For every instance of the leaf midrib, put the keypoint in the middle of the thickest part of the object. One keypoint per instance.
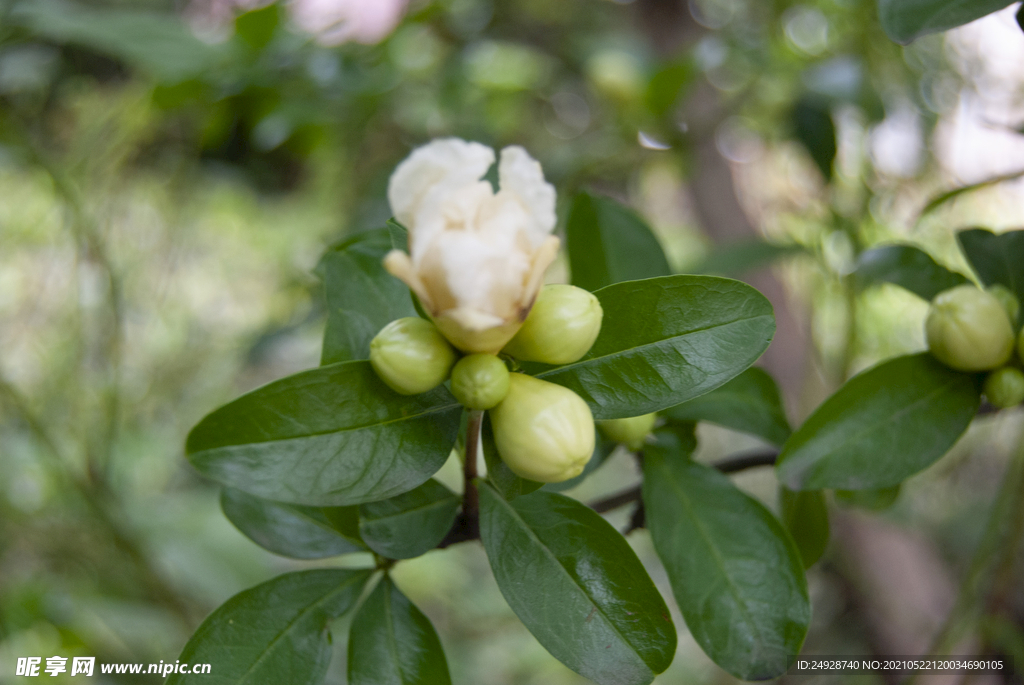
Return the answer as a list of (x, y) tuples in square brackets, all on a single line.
[(305, 612), (872, 427), (335, 431), (615, 355), (715, 553), (553, 558)]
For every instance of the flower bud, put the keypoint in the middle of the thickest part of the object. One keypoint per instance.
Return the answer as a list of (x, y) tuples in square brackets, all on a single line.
[(1004, 387), (543, 432), (967, 330), (480, 381), (561, 327), (1009, 301), (411, 356), (630, 432)]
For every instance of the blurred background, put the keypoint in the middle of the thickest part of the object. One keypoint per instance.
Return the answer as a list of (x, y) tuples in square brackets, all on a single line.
[(170, 173)]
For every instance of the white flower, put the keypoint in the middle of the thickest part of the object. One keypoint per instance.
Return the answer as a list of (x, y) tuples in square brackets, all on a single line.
[(334, 22), (477, 257)]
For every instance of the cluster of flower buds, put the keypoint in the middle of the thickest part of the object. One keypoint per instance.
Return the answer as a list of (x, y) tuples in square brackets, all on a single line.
[(543, 431), (969, 329), (476, 262)]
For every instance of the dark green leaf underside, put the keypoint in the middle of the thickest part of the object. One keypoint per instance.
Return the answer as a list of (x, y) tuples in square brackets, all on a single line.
[(290, 530), (749, 403), (409, 524)]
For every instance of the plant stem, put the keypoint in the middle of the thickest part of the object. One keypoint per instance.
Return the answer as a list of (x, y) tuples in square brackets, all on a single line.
[(470, 494)]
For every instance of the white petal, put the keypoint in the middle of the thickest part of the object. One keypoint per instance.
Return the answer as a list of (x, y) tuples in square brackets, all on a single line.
[(520, 174), (447, 162)]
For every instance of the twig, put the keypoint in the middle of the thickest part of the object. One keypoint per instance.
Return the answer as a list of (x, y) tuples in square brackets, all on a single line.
[(466, 528), (471, 496)]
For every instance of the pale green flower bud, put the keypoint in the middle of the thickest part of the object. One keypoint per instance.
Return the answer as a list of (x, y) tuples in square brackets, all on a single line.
[(1004, 387), (543, 432), (630, 432), (480, 381), (1009, 301), (561, 327), (967, 330), (411, 356)]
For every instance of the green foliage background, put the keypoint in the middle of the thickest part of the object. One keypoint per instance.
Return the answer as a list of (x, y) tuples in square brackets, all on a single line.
[(164, 201)]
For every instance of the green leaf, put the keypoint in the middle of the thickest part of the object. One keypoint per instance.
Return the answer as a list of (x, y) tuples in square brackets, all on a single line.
[(290, 530), (873, 500), (332, 436), (881, 427), (805, 515), (996, 258), (500, 476), (410, 524), (908, 267), (275, 632), (749, 403), (608, 243), (603, 448), (734, 570), (159, 44), (667, 340), (256, 28), (393, 643), (362, 297), (813, 127), (576, 584), (905, 20), (745, 256)]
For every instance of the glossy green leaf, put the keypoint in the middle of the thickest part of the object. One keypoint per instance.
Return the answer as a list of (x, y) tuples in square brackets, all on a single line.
[(409, 524), (872, 500), (576, 584), (603, 448), (332, 436), (735, 259), (667, 340), (608, 243), (805, 515), (749, 403), (881, 427), (500, 476), (735, 572), (813, 127), (908, 267), (273, 633), (996, 258), (290, 530), (905, 20), (159, 44), (361, 296), (393, 643)]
